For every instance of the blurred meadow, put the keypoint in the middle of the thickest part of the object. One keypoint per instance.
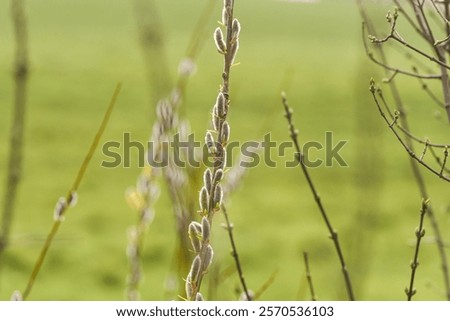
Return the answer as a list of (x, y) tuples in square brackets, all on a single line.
[(80, 49)]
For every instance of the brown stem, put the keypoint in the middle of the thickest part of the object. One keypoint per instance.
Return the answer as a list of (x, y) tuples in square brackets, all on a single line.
[(20, 74), (235, 254), (420, 232), (333, 233)]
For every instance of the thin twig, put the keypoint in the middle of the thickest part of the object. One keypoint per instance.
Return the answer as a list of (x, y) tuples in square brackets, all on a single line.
[(333, 233), (420, 232), (309, 277), (14, 170), (390, 68), (418, 176), (64, 203), (399, 138), (235, 254), (426, 88), (211, 194)]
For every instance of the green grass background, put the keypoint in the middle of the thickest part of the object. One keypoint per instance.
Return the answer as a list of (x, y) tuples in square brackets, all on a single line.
[(80, 49)]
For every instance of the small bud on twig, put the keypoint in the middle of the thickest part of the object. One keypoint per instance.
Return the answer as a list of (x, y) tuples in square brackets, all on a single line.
[(206, 229), (207, 179), (220, 41), (204, 200), (218, 196)]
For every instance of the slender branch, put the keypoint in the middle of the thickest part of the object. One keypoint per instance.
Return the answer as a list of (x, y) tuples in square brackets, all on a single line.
[(371, 56), (211, 194), (425, 87), (404, 130), (333, 233), (409, 18), (234, 253), (395, 36), (14, 170), (438, 160), (400, 139), (309, 278), (420, 233), (64, 203), (418, 176)]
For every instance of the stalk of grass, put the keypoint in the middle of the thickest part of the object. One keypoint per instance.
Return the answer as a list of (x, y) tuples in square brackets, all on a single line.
[(14, 170), (420, 233), (211, 194), (70, 200), (333, 233)]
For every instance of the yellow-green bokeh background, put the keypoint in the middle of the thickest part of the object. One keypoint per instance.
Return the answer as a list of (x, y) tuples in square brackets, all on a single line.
[(80, 49)]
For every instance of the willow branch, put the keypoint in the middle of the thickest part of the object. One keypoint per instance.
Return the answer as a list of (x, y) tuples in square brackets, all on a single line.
[(333, 233), (420, 233), (234, 253)]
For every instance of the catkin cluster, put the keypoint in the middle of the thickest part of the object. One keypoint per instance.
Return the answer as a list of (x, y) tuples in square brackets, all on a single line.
[(216, 140)]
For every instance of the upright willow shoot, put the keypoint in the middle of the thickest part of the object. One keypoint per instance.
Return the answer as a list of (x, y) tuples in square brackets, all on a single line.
[(420, 233), (216, 139), (333, 233)]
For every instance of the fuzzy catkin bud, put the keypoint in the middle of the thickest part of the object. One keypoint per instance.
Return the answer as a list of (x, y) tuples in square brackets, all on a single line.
[(199, 297), (195, 269), (195, 229), (235, 29), (189, 288), (58, 213), (209, 140), (206, 229), (218, 196), (207, 179), (220, 41), (209, 254), (16, 296), (215, 118), (221, 105), (225, 133), (218, 176), (204, 200)]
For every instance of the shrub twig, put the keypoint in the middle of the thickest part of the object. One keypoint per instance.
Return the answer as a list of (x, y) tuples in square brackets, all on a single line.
[(234, 253), (333, 233), (420, 233)]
